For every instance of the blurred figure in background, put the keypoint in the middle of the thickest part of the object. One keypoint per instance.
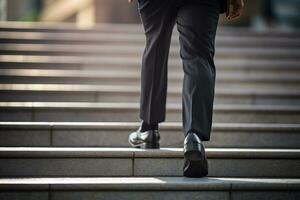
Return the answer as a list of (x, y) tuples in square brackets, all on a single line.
[(286, 13), (277, 14), (3, 7)]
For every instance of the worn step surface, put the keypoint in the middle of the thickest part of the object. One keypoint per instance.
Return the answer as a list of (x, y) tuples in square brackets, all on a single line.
[(131, 93), (227, 162), (81, 111), (150, 188), (115, 134)]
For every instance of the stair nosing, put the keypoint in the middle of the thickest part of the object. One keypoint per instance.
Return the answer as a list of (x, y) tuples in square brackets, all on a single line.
[(132, 153), (150, 183), (227, 127)]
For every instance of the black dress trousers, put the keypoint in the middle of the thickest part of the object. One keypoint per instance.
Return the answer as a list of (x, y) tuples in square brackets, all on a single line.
[(196, 22)]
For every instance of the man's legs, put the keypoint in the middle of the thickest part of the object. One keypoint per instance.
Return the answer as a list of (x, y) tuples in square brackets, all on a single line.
[(197, 23), (158, 19)]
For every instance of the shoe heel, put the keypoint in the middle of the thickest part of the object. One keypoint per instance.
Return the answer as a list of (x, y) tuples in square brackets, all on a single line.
[(193, 151), (150, 145), (193, 146)]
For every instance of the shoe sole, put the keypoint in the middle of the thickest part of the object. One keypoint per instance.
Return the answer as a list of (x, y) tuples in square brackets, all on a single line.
[(195, 169), (146, 145), (193, 151), (152, 145)]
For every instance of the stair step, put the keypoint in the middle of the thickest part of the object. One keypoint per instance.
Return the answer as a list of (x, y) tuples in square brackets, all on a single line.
[(134, 50), (31, 76), (137, 48), (82, 112), (135, 188), (73, 62), (66, 27), (133, 74), (131, 93), (254, 151), (138, 38), (115, 134), (70, 162)]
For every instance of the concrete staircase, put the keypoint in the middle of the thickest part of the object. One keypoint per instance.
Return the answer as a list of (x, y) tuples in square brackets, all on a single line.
[(69, 99)]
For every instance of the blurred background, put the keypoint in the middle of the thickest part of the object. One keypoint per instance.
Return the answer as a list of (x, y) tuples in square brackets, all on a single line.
[(70, 77), (259, 14)]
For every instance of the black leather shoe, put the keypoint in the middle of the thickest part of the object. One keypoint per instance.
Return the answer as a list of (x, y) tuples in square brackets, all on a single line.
[(146, 140), (195, 161)]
